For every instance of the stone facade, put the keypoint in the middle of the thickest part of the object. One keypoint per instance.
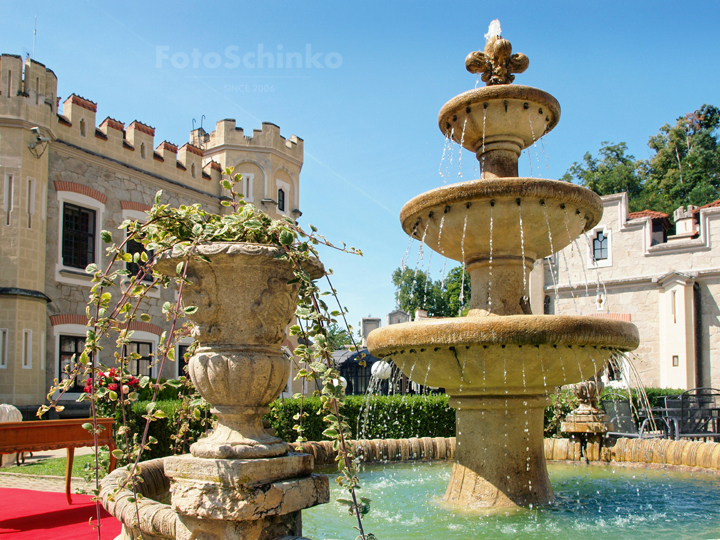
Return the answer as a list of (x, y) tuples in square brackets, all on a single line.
[(667, 286), (51, 158)]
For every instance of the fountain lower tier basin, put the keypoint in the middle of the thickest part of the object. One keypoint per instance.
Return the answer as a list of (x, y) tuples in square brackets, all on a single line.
[(531, 218), (603, 501), (497, 356)]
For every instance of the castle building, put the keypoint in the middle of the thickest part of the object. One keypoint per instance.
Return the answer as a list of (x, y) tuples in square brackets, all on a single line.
[(628, 268), (64, 177)]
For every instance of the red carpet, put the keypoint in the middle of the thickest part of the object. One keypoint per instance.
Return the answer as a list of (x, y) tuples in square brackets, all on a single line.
[(39, 515)]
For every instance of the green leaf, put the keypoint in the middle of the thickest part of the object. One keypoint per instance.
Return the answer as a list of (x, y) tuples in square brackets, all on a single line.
[(160, 414), (286, 238), (226, 184), (112, 395), (117, 453), (190, 310), (91, 268), (144, 317), (179, 267), (167, 306), (88, 426), (252, 224), (106, 236)]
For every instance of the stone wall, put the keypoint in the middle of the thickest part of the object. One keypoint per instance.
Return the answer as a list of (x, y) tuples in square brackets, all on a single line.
[(658, 286)]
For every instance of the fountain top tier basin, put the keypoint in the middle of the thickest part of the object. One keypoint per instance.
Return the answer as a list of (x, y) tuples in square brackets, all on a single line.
[(514, 115), (553, 212)]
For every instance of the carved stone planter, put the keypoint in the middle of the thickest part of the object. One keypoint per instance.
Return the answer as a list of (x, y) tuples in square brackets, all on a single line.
[(240, 482)]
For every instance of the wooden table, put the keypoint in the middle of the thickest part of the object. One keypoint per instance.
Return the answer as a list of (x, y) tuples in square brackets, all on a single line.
[(35, 436)]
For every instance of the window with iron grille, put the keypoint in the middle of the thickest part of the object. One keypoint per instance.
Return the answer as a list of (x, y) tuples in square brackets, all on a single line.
[(182, 349), (281, 200), (600, 247), (143, 365), (71, 346), (78, 236), (132, 247)]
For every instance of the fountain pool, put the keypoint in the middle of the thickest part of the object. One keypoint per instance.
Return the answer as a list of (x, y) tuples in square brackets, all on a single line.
[(615, 501)]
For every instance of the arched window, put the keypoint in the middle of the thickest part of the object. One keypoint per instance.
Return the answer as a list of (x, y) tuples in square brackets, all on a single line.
[(281, 200), (193, 170), (142, 150), (546, 305), (83, 127)]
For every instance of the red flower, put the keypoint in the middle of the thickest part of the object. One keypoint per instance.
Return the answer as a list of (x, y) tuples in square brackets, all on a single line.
[(88, 389), (133, 382), (112, 386)]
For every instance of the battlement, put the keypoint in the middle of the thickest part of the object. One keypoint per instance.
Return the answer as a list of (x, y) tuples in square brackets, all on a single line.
[(27, 90), (134, 145), (226, 133)]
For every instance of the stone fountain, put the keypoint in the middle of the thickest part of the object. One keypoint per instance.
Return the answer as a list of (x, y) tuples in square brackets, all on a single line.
[(500, 362)]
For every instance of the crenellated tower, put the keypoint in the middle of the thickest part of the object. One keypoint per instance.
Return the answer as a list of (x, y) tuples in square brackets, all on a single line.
[(28, 125)]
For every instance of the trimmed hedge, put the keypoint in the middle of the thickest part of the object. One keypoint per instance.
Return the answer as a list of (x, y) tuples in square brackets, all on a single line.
[(374, 417)]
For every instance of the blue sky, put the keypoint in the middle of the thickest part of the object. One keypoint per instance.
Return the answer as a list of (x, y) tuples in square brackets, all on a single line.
[(367, 105)]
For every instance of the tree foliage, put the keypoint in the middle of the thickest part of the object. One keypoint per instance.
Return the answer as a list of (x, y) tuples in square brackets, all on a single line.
[(685, 167), (415, 289)]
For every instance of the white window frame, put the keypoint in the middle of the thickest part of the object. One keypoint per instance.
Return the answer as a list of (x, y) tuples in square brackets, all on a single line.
[(148, 337), (91, 204), (27, 349), (8, 196), (591, 236), (185, 342), (279, 184), (43, 351), (247, 186), (31, 183), (4, 333), (77, 330)]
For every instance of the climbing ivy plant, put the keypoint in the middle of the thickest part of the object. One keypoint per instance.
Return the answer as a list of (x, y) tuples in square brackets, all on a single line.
[(179, 231)]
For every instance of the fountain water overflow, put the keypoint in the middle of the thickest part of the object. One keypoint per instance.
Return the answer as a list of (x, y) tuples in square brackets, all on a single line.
[(498, 362)]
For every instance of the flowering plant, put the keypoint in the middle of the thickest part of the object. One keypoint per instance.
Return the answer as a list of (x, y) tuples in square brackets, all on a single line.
[(112, 381)]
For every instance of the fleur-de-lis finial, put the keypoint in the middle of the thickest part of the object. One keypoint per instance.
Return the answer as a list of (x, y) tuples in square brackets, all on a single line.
[(496, 63)]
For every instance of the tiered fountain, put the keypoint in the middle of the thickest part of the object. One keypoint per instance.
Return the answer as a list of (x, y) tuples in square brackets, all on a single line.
[(500, 362)]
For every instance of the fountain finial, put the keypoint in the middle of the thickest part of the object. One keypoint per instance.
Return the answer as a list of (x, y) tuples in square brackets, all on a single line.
[(497, 63)]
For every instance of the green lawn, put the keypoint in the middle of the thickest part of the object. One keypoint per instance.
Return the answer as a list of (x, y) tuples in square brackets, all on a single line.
[(53, 467)]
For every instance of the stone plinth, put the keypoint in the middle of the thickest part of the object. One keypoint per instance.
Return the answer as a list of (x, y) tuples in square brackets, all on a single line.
[(499, 453), (243, 499)]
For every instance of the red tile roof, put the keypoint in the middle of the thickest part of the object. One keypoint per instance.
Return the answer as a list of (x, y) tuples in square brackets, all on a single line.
[(647, 213), (713, 204), (142, 128), (82, 102)]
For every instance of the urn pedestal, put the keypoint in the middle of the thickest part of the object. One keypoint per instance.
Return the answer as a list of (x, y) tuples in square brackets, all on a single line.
[(241, 482)]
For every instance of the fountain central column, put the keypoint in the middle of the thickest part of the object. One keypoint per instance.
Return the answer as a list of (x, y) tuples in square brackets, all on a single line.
[(499, 452)]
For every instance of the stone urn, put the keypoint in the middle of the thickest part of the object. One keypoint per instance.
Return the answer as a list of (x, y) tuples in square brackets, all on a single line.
[(241, 481)]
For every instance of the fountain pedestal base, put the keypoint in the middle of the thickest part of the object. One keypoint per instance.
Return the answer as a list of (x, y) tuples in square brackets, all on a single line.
[(243, 499), (499, 454)]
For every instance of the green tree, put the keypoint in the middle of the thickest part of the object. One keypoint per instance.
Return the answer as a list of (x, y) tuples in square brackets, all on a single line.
[(685, 167), (338, 337), (416, 290), (614, 171)]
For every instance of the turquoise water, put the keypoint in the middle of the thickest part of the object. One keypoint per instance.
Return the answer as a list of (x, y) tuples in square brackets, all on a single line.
[(610, 502)]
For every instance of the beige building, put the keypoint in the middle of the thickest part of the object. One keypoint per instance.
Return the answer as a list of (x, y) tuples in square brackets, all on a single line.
[(668, 286), (64, 177)]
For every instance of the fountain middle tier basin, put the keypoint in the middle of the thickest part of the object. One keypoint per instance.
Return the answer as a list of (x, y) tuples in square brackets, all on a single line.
[(493, 355), (553, 213)]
